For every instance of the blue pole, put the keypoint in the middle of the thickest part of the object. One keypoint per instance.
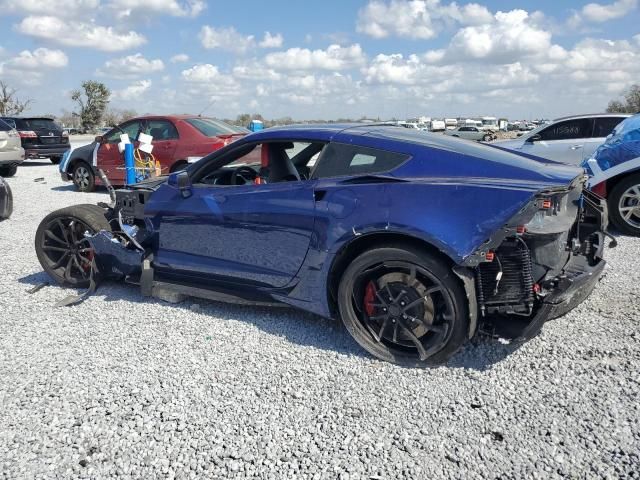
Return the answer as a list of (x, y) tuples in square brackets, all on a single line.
[(129, 164)]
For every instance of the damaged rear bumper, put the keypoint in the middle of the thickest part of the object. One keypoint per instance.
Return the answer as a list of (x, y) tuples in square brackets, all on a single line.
[(572, 290)]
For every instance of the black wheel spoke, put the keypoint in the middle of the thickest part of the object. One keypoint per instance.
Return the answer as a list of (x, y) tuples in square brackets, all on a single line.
[(421, 299), (68, 268), (382, 328), (416, 341), (49, 248), (63, 230), (60, 261), (428, 326), (54, 237)]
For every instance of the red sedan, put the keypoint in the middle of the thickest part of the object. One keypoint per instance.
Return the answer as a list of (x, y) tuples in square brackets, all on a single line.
[(177, 140)]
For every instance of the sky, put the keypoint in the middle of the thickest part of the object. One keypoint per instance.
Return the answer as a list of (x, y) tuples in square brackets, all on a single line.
[(325, 59)]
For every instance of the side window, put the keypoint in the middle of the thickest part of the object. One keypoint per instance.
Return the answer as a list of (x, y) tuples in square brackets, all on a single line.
[(342, 160), (130, 128), (4, 127), (605, 125), (161, 130), (567, 130)]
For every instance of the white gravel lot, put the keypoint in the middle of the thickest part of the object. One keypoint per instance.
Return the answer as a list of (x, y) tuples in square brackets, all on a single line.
[(137, 388)]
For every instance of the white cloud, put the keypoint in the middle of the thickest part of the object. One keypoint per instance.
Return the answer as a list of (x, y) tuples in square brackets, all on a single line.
[(80, 34), (180, 58), (175, 8), (39, 58), (133, 91), (29, 66), (131, 66), (334, 57), (421, 19), (271, 41), (203, 73), (225, 38), (228, 38), (67, 8), (507, 39), (597, 12)]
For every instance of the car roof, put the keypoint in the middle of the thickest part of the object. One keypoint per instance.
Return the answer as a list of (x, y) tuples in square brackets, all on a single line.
[(181, 116), (591, 115)]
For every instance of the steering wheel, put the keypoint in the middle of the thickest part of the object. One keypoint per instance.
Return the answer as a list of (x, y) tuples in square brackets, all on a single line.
[(247, 174)]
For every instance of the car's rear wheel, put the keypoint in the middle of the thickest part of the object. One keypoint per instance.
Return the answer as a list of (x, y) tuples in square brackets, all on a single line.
[(55, 160), (9, 171), (404, 305), (83, 177), (486, 138), (61, 245), (624, 205)]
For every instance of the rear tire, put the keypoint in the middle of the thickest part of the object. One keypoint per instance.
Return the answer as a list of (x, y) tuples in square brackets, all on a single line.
[(55, 160), (83, 177), (624, 205), (404, 305), (61, 247), (8, 171), (486, 138)]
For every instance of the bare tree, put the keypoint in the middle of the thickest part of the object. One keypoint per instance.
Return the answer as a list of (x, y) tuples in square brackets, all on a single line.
[(9, 103)]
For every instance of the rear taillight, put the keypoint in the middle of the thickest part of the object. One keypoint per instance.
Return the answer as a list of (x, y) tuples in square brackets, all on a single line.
[(27, 134), (600, 189)]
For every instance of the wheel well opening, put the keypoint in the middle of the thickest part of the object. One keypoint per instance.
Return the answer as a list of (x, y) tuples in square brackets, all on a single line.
[(366, 242), (613, 181)]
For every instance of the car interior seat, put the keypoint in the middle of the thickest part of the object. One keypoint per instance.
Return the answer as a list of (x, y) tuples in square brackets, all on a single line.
[(281, 168)]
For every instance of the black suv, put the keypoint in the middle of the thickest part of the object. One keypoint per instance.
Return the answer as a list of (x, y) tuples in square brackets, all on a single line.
[(41, 137)]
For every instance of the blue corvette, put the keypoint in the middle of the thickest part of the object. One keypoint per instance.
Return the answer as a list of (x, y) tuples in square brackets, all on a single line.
[(415, 241)]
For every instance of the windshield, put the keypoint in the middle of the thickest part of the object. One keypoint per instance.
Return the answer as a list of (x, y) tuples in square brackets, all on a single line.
[(213, 128)]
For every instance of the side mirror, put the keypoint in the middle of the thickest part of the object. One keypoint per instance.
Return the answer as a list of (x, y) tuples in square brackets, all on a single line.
[(99, 139), (182, 182), (534, 138)]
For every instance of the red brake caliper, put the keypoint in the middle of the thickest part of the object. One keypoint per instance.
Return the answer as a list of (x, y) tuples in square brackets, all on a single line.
[(369, 298)]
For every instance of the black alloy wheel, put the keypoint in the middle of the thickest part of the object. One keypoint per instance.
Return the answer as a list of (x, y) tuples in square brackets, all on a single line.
[(61, 244), (403, 306)]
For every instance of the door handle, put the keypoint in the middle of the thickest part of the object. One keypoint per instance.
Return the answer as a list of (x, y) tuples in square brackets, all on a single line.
[(575, 147)]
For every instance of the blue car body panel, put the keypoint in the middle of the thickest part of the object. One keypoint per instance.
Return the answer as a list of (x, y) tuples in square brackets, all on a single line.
[(620, 153), (283, 238)]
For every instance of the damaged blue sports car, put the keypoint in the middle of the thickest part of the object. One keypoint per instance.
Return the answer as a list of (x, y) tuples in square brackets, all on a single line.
[(415, 241)]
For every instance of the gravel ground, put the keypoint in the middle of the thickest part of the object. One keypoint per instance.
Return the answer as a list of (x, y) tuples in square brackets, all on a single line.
[(133, 387)]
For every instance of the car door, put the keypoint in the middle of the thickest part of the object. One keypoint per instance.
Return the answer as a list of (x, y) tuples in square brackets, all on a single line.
[(254, 234), (602, 128), (562, 141), (165, 141), (108, 156)]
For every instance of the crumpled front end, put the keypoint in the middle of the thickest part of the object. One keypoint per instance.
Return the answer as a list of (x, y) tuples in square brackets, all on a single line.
[(544, 262)]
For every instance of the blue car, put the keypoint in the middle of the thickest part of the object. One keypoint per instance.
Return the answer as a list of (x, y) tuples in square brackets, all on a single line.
[(415, 241)]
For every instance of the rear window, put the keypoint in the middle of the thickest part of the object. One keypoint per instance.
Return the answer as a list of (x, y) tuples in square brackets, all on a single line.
[(4, 127), (41, 124), (605, 125), (212, 128), (344, 160)]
